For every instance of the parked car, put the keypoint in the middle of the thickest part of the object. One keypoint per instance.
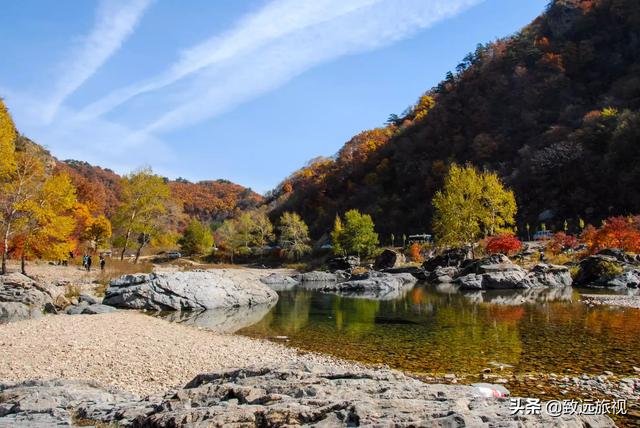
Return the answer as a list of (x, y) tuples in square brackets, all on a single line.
[(542, 234), (174, 254)]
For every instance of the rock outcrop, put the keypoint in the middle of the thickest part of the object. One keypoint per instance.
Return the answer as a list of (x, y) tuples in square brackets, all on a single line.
[(374, 285), (22, 298), (498, 272), (278, 281), (291, 396), (388, 259), (416, 271), (193, 290), (316, 276), (346, 263), (597, 270), (546, 275), (453, 257)]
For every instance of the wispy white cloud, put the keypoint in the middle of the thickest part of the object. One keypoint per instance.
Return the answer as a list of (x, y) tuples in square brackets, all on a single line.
[(247, 74), (114, 22), (277, 19), (95, 140)]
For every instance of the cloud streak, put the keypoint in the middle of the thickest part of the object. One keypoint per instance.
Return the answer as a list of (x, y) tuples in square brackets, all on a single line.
[(238, 78), (277, 19), (115, 21)]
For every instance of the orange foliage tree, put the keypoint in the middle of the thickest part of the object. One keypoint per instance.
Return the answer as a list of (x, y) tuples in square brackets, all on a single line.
[(414, 252), (616, 232)]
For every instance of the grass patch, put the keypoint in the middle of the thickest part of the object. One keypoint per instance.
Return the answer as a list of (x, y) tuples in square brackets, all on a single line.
[(115, 268), (72, 291)]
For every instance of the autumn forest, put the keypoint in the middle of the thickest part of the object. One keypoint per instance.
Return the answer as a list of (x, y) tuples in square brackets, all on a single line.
[(551, 113)]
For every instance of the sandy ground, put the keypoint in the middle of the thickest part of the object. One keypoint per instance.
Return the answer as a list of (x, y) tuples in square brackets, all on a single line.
[(129, 350)]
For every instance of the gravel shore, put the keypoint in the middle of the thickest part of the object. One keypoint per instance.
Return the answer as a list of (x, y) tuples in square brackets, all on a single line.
[(612, 300), (131, 351)]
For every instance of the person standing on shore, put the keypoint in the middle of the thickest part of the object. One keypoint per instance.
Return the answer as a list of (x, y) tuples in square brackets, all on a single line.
[(89, 263), (84, 261), (102, 262)]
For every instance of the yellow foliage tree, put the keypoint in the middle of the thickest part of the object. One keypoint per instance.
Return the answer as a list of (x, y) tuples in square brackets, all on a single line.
[(144, 200), (97, 231), (48, 220), (471, 205), (8, 136)]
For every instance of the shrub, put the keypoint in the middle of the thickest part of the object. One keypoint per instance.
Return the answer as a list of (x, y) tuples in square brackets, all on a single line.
[(415, 252), (71, 291), (504, 244)]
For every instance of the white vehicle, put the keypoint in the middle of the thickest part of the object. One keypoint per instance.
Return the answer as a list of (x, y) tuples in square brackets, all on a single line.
[(174, 254)]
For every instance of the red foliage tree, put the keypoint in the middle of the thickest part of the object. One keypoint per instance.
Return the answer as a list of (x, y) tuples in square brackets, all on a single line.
[(616, 232), (561, 241), (504, 244)]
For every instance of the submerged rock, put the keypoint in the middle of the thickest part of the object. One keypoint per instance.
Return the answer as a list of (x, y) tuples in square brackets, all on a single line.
[(193, 290), (303, 395)]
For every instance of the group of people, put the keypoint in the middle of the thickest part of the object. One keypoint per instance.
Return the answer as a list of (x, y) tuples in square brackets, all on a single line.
[(87, 262)]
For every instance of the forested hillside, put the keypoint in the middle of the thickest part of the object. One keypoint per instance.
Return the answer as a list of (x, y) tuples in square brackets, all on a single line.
[(209, 201), (553, 109)]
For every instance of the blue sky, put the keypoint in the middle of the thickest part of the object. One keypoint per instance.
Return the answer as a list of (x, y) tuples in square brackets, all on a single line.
[(244, 90)]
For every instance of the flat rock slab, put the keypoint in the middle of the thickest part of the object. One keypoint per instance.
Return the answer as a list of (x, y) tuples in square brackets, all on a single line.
[(193, 290), (304, 395)]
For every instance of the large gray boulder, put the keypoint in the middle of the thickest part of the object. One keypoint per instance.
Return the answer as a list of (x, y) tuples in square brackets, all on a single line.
[(374, 285), (278, 281), (316, 276), (309, 395), (51, 403), (598, 270), (22, 298), (545, 275), (629, 279), (194, 290), (343, 263), (416, 271), (497, 276), (452, 257)]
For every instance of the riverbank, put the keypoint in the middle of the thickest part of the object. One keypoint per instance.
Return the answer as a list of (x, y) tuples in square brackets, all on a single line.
[(47, 362), (131, 351)]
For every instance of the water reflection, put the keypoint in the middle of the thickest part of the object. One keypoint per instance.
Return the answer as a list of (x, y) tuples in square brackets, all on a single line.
[(438, 330), (223, 320)]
